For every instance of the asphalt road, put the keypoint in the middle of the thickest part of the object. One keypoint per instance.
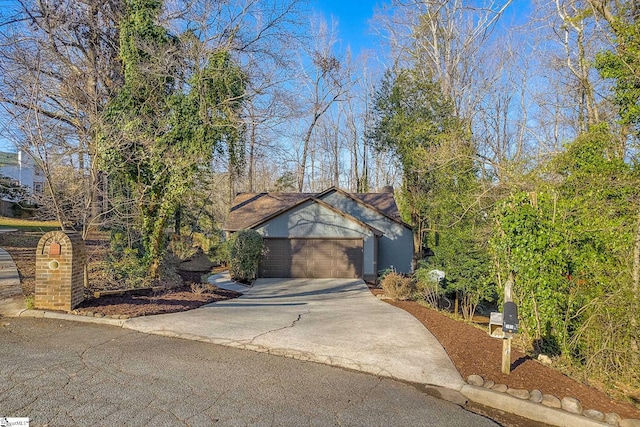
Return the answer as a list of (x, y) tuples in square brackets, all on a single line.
[(61, 373)]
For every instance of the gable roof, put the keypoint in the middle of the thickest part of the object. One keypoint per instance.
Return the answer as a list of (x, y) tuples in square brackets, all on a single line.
[(325, 205), (251, 209), (384, 203)]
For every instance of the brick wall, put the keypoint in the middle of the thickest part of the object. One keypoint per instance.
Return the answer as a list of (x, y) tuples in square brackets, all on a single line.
[(59, 271)]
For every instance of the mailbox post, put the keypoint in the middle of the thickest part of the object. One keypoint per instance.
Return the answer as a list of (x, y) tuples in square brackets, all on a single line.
[(504, 325), (60, 259)]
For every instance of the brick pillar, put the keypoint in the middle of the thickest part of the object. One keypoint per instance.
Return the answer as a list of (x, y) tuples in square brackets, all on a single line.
[(60, 259)]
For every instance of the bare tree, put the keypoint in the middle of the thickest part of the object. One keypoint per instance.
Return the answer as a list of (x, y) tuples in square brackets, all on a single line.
[(60, 68), (358, 116), (573, 32), (327, 81), (446, 40)]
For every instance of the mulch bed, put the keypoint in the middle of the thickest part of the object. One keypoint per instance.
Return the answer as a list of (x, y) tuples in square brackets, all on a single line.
[(170, 301), (473, 351)]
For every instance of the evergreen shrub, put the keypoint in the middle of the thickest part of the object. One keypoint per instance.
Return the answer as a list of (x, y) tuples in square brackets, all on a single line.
[(245, 250)]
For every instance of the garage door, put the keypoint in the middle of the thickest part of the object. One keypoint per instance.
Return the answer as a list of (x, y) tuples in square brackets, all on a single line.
[(320, 258)]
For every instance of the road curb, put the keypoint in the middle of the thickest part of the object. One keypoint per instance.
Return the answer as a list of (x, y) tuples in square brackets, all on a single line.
[(444, 393), (40, 314), (525, 408)]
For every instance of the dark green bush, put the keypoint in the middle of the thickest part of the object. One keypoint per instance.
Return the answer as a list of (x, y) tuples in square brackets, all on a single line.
[(126, 266), (245, 250)]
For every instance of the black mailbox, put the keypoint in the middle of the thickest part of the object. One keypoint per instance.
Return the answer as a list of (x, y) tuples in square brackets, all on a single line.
[(510, 317)]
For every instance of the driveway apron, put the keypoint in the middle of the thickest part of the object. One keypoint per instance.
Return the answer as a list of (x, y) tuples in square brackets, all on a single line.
[(332, 321)]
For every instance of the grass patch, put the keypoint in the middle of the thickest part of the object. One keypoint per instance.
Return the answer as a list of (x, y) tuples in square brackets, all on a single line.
[(28, 225)]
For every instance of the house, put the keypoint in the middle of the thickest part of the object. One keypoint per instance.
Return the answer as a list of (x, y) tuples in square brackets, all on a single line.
[(327, 234), (20, 169)]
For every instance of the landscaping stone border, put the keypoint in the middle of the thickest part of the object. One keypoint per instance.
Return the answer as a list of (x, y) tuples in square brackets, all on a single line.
[(536, 406)]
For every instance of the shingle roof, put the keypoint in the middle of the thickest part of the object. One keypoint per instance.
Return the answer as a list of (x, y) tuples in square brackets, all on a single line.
[(384, 202), (251, 208)]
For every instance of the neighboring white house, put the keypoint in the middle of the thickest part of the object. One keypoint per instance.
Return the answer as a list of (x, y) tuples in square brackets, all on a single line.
[(20, 168)]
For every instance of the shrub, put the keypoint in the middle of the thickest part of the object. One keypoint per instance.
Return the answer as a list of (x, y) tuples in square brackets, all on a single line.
[(428, 287), (220, 254), (203, 288), (128, 269), (182, 246), (126, 266), (214, 246), (245, 250), (205, 242), (396, 286)]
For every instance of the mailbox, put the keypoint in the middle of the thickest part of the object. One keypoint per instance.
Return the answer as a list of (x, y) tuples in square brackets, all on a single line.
[(510, 317), (495, 325), (54, 248)]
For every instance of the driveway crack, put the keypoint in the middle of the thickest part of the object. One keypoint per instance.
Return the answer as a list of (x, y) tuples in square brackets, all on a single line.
[(293, 324)]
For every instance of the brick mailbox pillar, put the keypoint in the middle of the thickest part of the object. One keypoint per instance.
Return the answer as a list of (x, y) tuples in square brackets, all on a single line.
[(60, 259)]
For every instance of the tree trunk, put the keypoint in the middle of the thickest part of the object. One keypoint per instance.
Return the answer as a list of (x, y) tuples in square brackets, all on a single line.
[(635, 281), (636, 260), (456, 304), (508, 287), (336, 160), (252, 160), (178, 220), (303, 161), (85, 274)]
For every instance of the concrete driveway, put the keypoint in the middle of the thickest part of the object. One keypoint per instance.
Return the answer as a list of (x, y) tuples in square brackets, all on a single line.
[(332, 321)]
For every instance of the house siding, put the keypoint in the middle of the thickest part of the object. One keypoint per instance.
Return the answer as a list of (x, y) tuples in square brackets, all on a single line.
[(20, 168), (395, 247), (312, 220)]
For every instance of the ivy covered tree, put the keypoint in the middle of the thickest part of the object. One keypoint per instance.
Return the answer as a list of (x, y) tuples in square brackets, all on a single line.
[(440, 185), (416, 121), (165, 125), (622, 64)]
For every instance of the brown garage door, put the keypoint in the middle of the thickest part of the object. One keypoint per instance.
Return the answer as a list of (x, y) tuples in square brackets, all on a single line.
[(321, 258)]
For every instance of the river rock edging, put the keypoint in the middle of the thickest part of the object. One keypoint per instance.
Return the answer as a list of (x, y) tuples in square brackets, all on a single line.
[(540, 407)]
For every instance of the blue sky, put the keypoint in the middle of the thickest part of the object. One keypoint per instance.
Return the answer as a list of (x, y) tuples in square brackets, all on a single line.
[(354, 15), (353, 21), (353, 26)]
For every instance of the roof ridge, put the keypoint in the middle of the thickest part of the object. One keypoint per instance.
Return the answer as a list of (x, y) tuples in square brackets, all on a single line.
[(246, 202)]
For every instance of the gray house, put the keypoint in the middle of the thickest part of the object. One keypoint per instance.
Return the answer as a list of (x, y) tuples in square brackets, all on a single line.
[(328, 234)]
